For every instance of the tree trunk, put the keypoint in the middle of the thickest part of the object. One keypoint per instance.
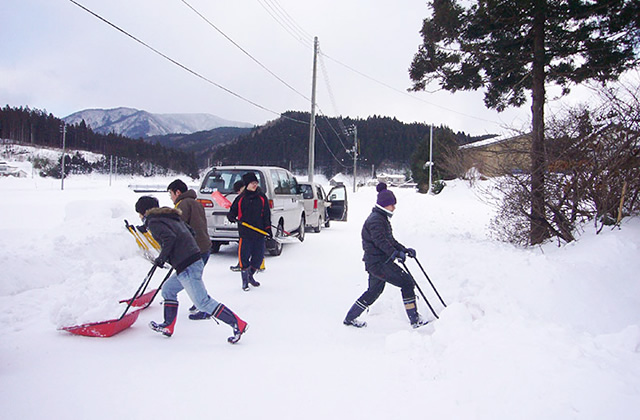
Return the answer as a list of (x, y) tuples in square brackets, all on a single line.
[(539, 230)]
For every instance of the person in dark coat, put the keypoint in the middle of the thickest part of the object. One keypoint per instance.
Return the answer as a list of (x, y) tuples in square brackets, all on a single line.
[(238, 188), (252, 213), (381, 250), (180, 250)]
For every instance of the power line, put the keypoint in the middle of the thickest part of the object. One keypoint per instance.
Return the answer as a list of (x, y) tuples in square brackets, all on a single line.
[(329, 149), (405, 93), (298, 29), (291, 21), (293, 31), (243, 50), (172, 60)]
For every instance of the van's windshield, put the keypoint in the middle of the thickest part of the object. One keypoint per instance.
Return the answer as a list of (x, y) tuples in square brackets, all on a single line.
[(223, 180)]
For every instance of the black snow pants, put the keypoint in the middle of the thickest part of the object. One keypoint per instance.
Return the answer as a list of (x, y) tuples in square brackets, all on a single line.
[(390, 273)]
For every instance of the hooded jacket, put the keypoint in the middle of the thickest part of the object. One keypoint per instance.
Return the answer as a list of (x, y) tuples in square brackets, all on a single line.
[(378, 242), (179, 247), (251, 207), (193, 214)]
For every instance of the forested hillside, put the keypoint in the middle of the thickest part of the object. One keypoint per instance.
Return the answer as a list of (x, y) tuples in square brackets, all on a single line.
[(36, 127), (383, 143), (285, 142), (199, 143)]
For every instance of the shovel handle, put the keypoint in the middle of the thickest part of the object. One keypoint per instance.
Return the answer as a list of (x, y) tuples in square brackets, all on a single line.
[(144, 284)]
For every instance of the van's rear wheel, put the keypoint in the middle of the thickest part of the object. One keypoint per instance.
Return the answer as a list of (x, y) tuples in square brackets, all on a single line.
[(215, 247), (303, 223), (273, 245)]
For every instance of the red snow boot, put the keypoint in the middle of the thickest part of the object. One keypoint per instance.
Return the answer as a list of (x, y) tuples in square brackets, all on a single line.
[(170, 317)]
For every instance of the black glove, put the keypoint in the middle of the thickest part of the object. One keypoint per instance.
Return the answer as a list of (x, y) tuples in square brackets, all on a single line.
[(159, 262), (411, 253), (141, 229), (400, 256)]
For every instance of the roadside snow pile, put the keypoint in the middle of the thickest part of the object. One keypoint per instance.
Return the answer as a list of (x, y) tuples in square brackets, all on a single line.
[(549, 332)]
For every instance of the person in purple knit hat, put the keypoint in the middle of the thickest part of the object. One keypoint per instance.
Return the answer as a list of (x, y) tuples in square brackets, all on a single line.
[(381, 250)]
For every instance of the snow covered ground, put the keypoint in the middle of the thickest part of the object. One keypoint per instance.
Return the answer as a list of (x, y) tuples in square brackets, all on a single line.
[(544, 333)]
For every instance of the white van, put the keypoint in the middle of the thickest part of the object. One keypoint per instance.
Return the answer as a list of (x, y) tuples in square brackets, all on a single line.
[(320, 208), (280, 187)]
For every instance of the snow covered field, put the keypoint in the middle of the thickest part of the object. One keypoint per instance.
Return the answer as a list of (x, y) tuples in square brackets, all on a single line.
[(544, 333)]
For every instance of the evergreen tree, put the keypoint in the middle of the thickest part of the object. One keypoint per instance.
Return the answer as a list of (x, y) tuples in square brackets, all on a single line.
[(509, 47)]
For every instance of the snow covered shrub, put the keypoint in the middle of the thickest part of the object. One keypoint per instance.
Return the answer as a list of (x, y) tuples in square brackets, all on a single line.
[(593, 171)]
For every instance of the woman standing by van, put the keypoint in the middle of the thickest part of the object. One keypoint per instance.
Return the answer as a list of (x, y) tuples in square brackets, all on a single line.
[(252, 213)]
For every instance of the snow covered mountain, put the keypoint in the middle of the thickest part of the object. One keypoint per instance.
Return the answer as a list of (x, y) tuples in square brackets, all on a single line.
[(135, 123)]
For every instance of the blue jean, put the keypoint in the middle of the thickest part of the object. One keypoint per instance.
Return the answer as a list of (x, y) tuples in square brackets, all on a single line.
[(191, 281), (205, 257)]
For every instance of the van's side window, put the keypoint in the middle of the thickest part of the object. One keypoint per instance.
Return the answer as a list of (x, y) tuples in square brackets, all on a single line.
[(277, 184), (284, 183), (294, 188)]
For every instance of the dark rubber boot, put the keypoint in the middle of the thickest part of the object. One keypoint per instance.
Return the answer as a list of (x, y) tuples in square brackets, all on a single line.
[(412, 312), (170, 317), (245, 280), (225, 315), (253, 281), (356, 309)]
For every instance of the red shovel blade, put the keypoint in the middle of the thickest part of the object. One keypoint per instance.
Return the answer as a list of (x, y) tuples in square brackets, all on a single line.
[(104, 328), (221, 199), (141, 300)]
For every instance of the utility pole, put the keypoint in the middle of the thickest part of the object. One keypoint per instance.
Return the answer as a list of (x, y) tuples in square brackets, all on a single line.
[(63, 129), (312, 123), (430, 162), (430, 155), (354, 130), (355, 156)]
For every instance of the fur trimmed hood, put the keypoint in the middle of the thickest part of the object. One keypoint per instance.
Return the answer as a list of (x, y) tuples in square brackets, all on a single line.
[(163, 211)]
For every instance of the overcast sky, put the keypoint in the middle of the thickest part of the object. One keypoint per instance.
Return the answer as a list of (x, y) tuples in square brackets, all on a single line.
[(57, 56)]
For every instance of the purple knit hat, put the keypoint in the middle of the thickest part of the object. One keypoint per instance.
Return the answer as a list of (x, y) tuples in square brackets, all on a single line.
[(385, 197)]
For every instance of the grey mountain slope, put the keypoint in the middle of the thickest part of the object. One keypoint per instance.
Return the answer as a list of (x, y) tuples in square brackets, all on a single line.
[(135, 123)]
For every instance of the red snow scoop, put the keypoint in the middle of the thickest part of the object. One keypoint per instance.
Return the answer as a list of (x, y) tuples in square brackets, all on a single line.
[(143, 299), (221, 199), (114, 326), (105, 328)]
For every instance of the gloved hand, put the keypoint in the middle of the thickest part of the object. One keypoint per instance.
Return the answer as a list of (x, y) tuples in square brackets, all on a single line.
[(141, 228), (159, 262), (411, 253), (400, 256)]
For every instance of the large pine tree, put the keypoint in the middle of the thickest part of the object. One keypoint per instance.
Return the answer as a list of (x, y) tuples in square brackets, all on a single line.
[(512, 47)]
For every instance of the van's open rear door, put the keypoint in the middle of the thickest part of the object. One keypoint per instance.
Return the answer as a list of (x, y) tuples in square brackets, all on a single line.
[(339, 207)]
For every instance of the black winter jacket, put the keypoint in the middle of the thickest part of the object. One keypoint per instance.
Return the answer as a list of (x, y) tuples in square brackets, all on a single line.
[(179, 247), (378, 242), (251, 207)]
